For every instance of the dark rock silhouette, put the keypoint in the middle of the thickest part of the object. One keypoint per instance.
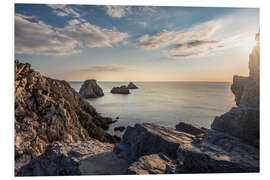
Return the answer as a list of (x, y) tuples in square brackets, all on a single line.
[(184, 127), (120, 128), (120, 90), (131, 85), (90, 89)]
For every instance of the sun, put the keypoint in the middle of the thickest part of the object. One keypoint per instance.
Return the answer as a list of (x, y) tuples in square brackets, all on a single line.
[(249, 43)]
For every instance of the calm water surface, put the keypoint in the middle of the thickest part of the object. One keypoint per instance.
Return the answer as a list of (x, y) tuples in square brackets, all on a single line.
[(164, 103)]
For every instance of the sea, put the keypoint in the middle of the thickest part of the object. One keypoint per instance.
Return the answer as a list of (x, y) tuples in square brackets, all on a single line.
[(163, 103)]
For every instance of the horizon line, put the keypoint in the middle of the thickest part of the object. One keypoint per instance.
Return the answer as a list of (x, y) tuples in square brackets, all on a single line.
[(154, 81)]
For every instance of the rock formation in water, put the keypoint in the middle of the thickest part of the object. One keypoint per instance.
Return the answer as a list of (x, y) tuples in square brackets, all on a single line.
[(131, 85), (49, 110), (243, 121), (120, 90), (90, 89), (119, 128)]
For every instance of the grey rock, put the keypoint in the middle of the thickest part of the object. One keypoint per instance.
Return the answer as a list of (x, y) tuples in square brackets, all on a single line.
[(120, 90), (90, 89), (120, 128), (152, 164), (80, 158), (211, 151), (217, 152), (240, 122), (145, 139), (184, 127), (131, 85)]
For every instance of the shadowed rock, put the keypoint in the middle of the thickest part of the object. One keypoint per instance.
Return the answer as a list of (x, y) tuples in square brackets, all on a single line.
[(184, 127), (120, 90), (120, 128), (90, 89), (82, 158)]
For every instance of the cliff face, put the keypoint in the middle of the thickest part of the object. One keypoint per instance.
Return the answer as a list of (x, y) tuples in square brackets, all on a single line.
[(243, 121), (49, 110)]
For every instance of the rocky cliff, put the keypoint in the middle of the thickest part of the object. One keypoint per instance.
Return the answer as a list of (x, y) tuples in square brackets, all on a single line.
[(49, 110), (243, 121), (90, 89)]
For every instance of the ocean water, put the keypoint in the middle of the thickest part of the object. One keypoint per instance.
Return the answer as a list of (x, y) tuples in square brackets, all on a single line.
[(164, 103)]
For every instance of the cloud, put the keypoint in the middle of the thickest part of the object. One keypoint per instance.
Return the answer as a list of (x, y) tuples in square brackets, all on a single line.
[(118, 11), (40, 38), (187, 55), (194, 44), (107, 68), (63, 10), (167, 38), (73, 22)]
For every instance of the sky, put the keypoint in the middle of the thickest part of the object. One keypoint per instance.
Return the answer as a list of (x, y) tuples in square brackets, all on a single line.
[(135, 43)]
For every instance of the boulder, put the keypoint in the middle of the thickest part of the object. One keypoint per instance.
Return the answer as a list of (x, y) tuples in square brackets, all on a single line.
[(120, 128), (120, 90), (145, 139), (90, 89), (80, 158), (240, 122), (49, 110), (131, 85), (184, 127), (152, 164)]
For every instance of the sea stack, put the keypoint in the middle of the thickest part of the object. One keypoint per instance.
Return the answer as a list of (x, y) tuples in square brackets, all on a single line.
[(120, 90), (90, 89), (131, 85), (243, 121)]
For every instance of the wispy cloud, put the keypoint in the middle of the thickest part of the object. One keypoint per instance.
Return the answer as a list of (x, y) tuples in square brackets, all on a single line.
[(194, 44), (41, 38), (118, 11), (167, 38), (187, 55), (63, 10), (107, 68)]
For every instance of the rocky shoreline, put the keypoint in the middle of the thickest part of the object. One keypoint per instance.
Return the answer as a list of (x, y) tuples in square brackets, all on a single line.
[(57, 132)]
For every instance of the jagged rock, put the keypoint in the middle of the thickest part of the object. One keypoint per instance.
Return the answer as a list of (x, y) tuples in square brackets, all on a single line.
[(243, 121), (120, 128), (184, 127), (211, 151), (131, 85), (217, 152), (152, 164), (240, 122), (90, 89), (49, 110), (120, 90), (145, 139), (80, 158)]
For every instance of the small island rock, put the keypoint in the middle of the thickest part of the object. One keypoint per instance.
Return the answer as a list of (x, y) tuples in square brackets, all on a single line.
[(120, 128), (120, 90), (131, 85), (90, 89)]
